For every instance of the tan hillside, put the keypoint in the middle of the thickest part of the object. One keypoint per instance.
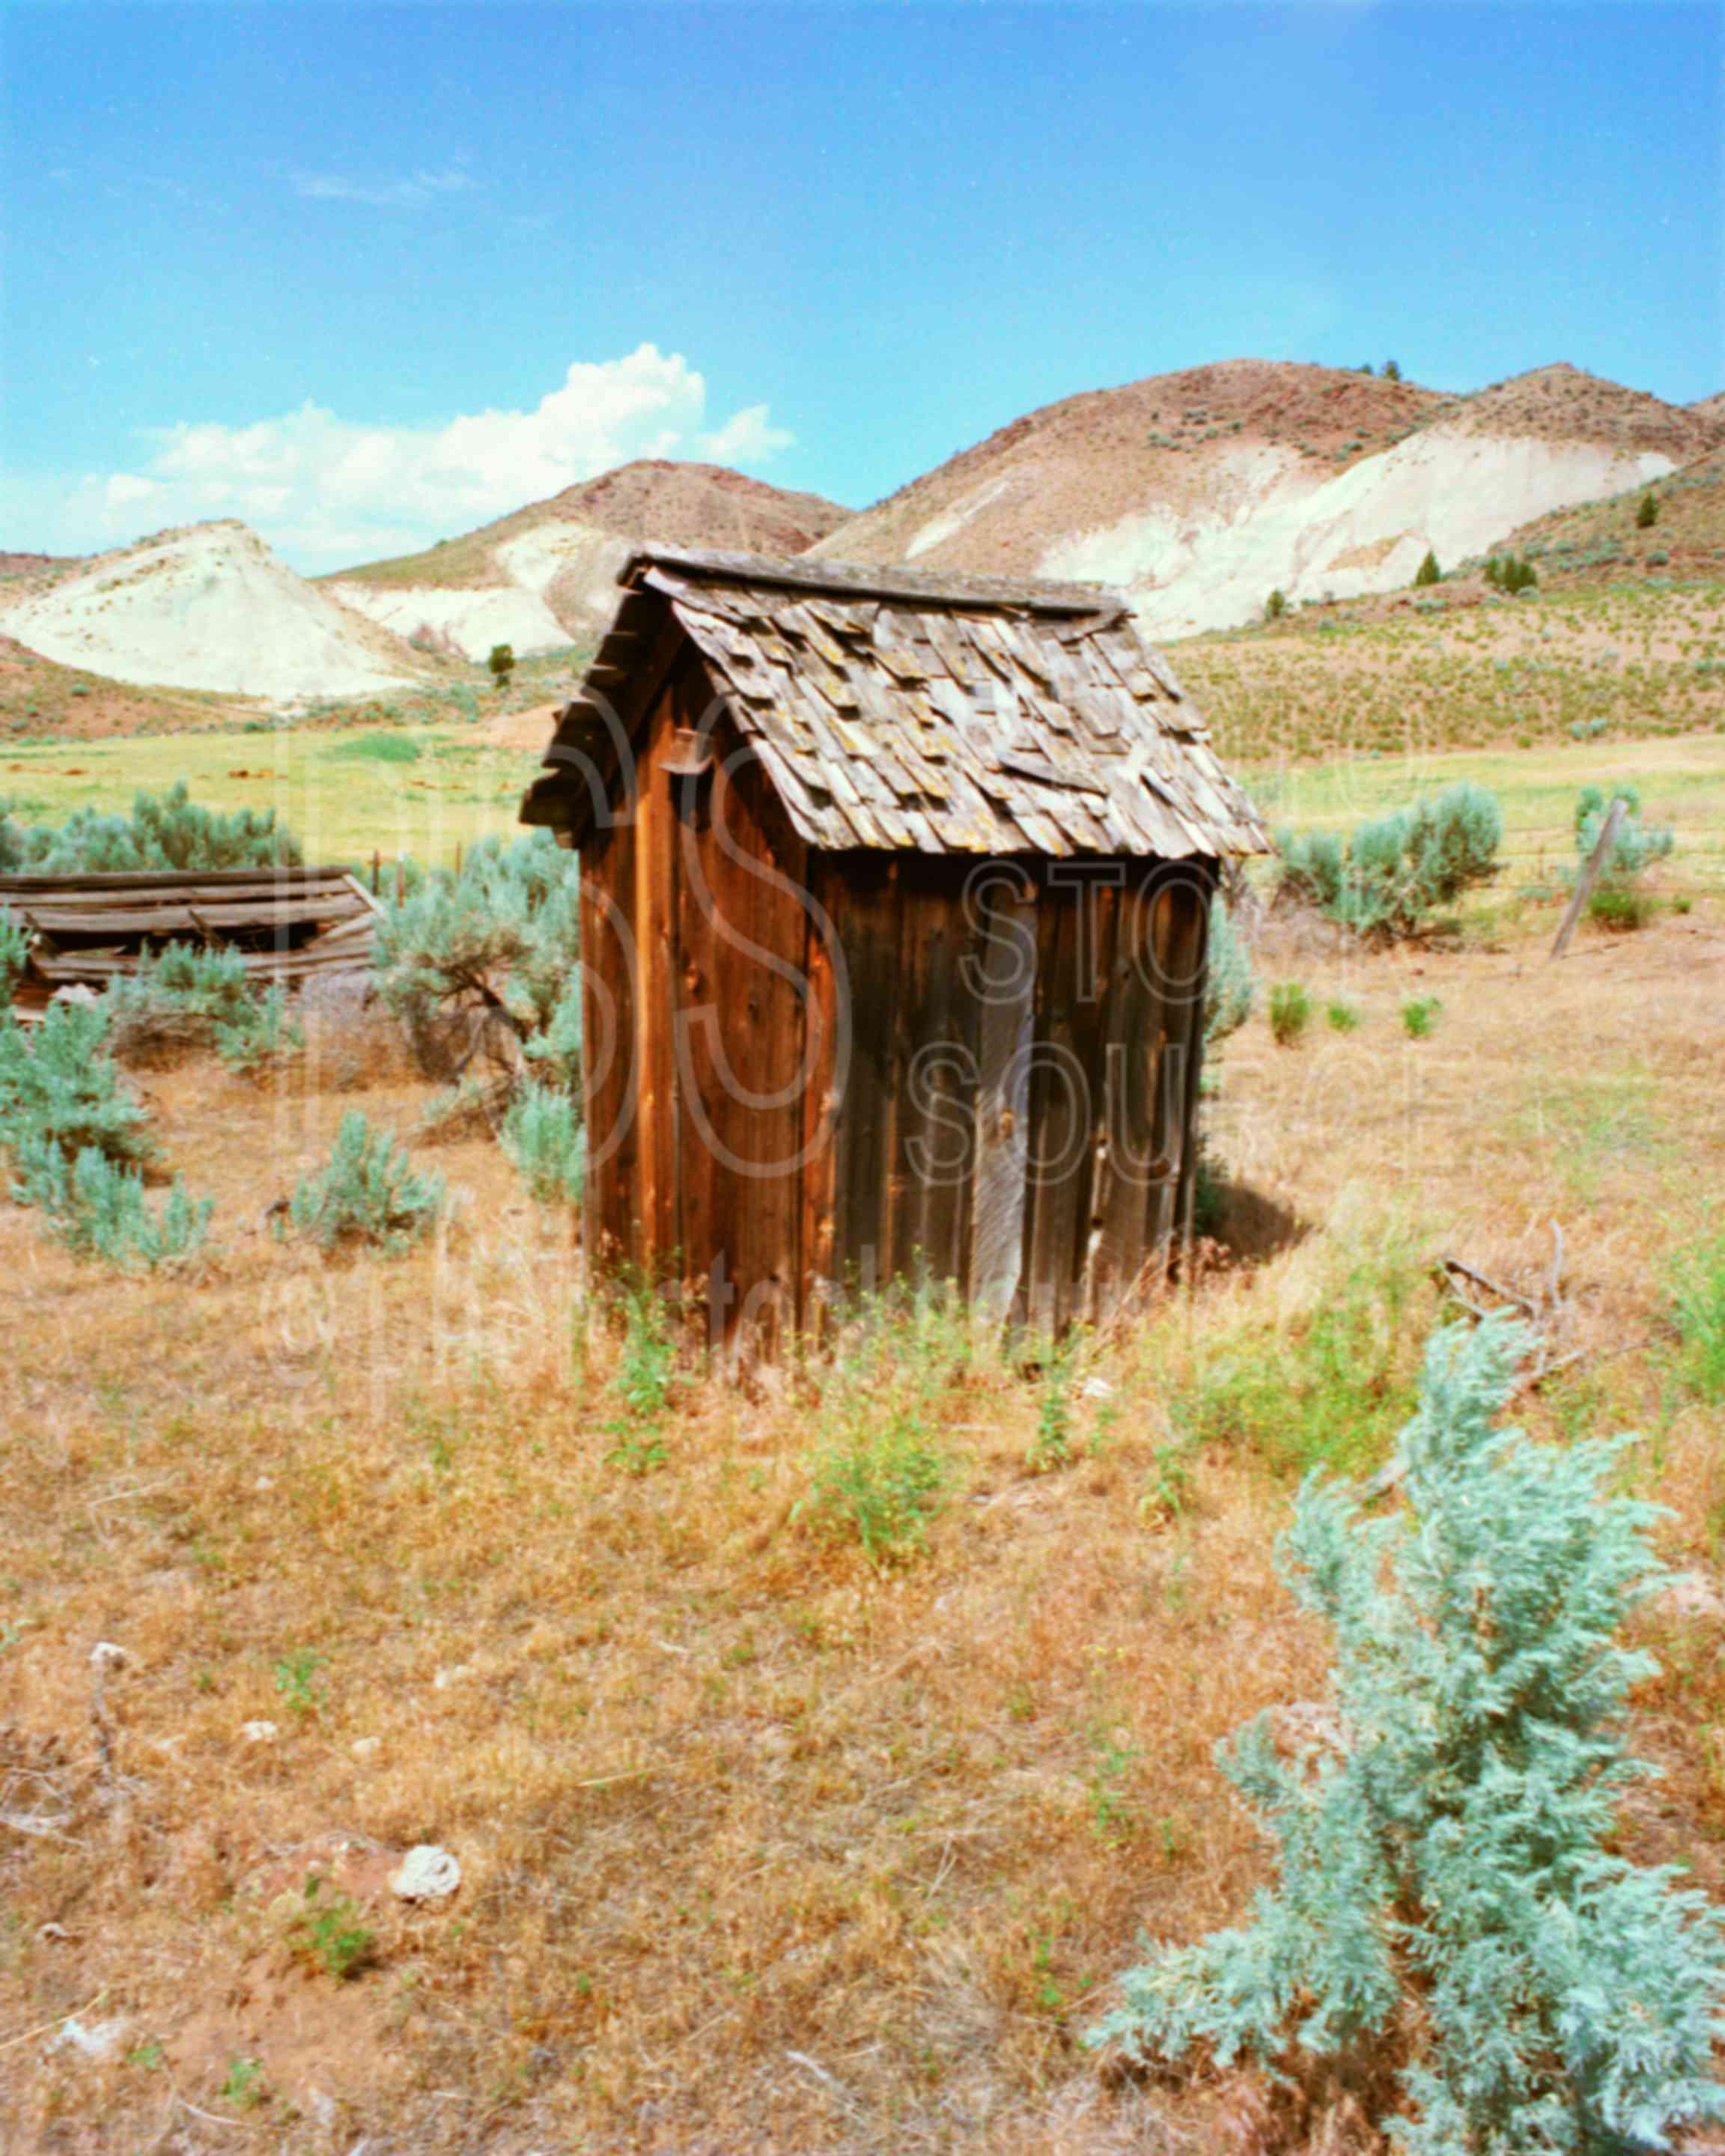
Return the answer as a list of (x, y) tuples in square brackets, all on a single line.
[(1604, 539), (1200, 492), (38, 698), (209, 607), (543, 575)]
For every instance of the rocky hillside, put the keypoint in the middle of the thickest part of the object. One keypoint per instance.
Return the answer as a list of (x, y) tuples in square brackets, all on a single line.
[(545, 574), (1203, 491), (207, 606)]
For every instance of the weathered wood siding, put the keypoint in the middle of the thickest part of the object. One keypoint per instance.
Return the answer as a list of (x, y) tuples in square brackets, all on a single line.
[(694, 932), (1015, 1108), (809, 1073)]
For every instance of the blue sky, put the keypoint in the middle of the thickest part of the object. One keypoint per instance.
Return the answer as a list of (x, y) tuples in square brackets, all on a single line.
[(329, 268)]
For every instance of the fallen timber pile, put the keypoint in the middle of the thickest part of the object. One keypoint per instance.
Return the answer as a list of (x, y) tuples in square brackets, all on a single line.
[(86, 930)]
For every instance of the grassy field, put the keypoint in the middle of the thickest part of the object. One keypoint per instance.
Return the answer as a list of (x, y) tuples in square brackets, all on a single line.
[(768, 1845), (765, 1847), (425, 790), (1681, 782), (346, 793)]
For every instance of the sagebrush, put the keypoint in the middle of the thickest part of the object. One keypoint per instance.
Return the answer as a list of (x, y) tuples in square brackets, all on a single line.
[(99, 1211), (541, 1135), (369, 1193), (60, 1085), (1393, 873), (164, 831), (1229, 988), (195, 994), (1445, 1824), (503, 933), (14, 954)]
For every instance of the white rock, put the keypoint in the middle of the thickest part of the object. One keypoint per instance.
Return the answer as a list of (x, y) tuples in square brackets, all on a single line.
[(259, 1732), (426, 1873), (445, 1678), (97, 2040), (364, 1747), (104, 1655), (1691, 1595)]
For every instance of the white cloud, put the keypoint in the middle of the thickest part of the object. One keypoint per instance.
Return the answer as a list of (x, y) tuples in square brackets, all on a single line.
[(747, 437), (327, 491), (405, 193)]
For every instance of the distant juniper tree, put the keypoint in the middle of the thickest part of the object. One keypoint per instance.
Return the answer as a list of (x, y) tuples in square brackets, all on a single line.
[(1276, 605), (1428, 572), (1367, 368), (1392, 372), (1647, 516), (501, 663), (1450, 1890)]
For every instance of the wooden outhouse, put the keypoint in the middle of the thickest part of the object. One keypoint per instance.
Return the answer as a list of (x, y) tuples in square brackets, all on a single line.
[(895, 895)]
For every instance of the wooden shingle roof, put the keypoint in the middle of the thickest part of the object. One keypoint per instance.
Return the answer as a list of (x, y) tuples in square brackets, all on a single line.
[(894, 709)]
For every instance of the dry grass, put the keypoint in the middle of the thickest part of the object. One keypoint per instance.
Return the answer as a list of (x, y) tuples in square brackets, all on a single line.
[(1417, 674), (763, 1848)]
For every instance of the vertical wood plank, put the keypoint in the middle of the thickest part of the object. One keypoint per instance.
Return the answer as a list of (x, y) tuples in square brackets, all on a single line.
[(655, 866), (865, 907), (829, 1014), (742, 987), (1060, 1154), (1001, 969), (933, 1077), (1179, 931), (610, 1037)]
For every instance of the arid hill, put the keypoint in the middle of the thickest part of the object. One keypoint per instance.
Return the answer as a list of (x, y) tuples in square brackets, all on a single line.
[(208, 606), (544, 575), (1203, 491)]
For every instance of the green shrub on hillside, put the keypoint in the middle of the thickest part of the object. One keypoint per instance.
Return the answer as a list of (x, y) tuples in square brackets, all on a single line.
[(1449, 1898), (1394, 873), (1510, 574), (58, 1083), (1428, 572), (163, 831)]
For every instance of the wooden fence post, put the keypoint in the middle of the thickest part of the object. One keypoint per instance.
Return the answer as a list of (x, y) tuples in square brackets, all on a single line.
[(1590, 874)]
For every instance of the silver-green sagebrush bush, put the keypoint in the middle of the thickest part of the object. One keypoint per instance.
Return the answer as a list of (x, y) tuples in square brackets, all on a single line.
[(1443, 1828), (201, 995), (505, 928), (164, 831), (59, 1083), (14, 952), (101, 1211), (369, 1193), (1229, 989), (541, 1135), (1392, 875)]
